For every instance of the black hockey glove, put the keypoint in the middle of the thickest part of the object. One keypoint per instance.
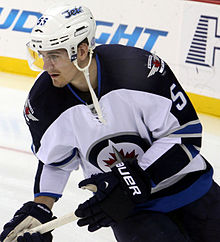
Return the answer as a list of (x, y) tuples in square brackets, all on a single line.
[(117, 194), (36, 237), (29, 216)]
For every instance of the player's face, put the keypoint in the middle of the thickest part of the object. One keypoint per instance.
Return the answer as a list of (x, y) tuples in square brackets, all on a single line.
[(58, 66)]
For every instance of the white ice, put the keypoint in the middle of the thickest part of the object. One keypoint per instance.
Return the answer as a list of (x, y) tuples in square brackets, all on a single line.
[(18, 167)]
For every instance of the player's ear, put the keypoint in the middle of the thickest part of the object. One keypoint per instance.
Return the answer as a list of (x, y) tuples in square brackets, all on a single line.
[(82, 53)]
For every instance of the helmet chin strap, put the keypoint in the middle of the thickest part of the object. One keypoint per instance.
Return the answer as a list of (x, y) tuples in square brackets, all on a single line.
[(95, 101)]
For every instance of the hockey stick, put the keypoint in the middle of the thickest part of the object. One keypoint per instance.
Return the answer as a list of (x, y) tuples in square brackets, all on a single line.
[(43, 228), (68, 218), (51, 225)]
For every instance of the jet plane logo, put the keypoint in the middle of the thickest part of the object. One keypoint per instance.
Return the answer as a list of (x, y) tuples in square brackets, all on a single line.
[(29, 112), (205, 43)]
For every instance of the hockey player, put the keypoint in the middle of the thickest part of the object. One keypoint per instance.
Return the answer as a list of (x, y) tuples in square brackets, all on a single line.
[(119, 113)]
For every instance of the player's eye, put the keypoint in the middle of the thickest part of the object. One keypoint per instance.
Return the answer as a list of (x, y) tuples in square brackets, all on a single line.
[(53, 57)]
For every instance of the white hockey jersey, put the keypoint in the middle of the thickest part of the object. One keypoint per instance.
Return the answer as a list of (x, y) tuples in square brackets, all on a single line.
[(148, 115)]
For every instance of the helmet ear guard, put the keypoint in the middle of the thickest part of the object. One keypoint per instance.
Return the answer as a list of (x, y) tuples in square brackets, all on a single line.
[(61, 27)]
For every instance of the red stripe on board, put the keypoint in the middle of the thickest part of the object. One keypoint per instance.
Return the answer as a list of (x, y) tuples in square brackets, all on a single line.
[(207, 1), (15, 150)]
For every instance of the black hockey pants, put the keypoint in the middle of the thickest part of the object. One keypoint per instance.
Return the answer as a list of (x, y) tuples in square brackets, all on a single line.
[(196, 222)]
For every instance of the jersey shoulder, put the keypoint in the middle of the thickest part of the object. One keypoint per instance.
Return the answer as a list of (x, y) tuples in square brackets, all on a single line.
[(135, 69), (117, 51), (42, 83), (45, 96), (44, 104), (36, 97), (132, 68)]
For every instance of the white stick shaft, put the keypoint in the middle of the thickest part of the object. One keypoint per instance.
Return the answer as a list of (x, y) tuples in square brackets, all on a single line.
[(43, 228), (46, 227), (68, 218)]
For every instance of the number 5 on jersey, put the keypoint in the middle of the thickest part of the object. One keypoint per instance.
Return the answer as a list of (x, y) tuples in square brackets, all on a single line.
[(179, 97)]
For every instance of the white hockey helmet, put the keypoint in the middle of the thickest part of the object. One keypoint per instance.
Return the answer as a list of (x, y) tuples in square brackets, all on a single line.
[(61, 27)]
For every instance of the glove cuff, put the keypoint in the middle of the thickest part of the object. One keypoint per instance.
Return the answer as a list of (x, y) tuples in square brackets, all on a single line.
[(39, 211), (134, 180)]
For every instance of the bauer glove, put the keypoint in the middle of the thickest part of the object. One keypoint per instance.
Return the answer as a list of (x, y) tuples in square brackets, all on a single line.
[(117, 193), (29, 216)]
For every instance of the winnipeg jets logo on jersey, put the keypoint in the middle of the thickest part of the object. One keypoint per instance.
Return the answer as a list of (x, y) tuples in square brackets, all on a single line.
[(107, 158), (101, 154), (155, 64), (29, 112), (113, 159)]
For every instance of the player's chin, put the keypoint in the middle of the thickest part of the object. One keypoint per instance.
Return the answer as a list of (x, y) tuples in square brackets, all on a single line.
[(58, 83)]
